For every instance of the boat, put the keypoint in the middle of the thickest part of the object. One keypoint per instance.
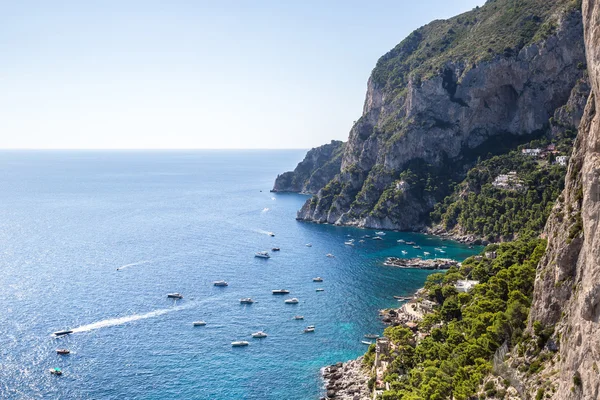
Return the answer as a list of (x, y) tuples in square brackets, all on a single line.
[(410, 243), (377, 238), (240, 343), (275, 249), (271, 234), (259, 335), (62, 333), (361, 241), (293, 300), (298, 317), (220, 283), (416, 247), (366, 342), (262, 254), (318, 279), (330, 255), (280, 291), (437, 249), (403, 297), (442, 251), (404, 252), (199, 323), (55, 371), (401, 241), (247, 300), (371, 336), (349, 243), (309, 329), (426, 253), (380, 233), (63, 351), (320, 290), (308, 245), (174, 296)]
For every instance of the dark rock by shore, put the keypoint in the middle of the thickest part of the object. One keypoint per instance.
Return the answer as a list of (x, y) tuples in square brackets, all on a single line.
[(347, 381)]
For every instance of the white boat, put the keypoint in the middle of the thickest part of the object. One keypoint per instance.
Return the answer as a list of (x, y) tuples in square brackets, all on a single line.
[(308, 245), (377, 238), (426, 253), (240, 343), (280, 291), (349, 243), (371, 336), (309, 329), (293, 300), (320, 290), (298, 317), (259, 335), (442, 251), (437, 249), (401, 241), (361, 241), (330, 255), (55, 371), (366, 342), (174, 296), (381, 233), (220, 283), (199, 323), (247, 300), (404, 252), (416, 247), (318, 279), (262, 254)]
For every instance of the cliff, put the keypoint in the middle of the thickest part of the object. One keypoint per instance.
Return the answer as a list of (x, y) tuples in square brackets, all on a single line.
[(320, 166), (479, 83), (566, 304)]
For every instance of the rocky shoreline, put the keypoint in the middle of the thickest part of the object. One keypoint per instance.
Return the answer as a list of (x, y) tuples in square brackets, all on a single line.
[(419, 263), (347, 381)]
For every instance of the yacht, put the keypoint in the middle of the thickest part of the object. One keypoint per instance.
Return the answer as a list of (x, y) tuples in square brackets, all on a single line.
[(174, 296), (298, 317), (349, 243), (361, 241), (199, 323), (330, 255), (275, 249), (247, 300), (410, 243), (381, 233), (309, 329), (262, 254), (437, 249), (240, 343), (62, 333), (318, 279), (280, 291), (371, 336), (401, 241), (404, 252), (293, 300), (220, 283), (308, 245), (259, 335), (366, 342), (271, 234), (442, 251), (320, 290), (367, 236), (377, 238), (416, 247), (426, 253), (63, 351), (55, 371)]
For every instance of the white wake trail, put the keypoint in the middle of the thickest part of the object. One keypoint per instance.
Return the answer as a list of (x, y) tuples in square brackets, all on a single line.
[(132, 264), (123, 320)]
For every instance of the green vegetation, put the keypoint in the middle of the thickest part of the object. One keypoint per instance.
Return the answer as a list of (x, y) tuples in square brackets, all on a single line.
[(477, 207), (466, 328)]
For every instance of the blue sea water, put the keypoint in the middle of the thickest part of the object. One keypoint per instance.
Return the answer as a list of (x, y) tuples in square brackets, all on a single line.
[(175, 222)]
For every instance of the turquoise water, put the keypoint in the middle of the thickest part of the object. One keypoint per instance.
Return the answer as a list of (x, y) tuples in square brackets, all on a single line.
[(175, 222)]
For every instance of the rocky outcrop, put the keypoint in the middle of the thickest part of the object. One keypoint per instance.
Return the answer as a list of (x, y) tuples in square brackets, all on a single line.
[(422, 127), (320, 165), (567, 288), (347, 381)]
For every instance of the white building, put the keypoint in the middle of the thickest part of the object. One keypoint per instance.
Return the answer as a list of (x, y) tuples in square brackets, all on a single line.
[(562, 160), (532, 152), (508, 181), (465, 285)]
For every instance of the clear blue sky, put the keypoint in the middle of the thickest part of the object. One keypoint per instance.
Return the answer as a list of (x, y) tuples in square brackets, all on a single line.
[(192, 73)]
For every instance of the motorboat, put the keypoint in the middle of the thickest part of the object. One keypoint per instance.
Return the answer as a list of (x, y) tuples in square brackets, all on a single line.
[(247, 300), (366, 342), (437, 249), (416, 247), (330, 255), (367, 236), (220, 283), (63, 352), (293, 300), (401, 241), (55, 371), (320, 290), (361, 241), (62, 333), (371, 336), (426, 253), (309, 329), (380, 233), (275, 249), (442, 251), (349, 243), (318, 279), (411, 243), (298, 317), (199, 323), (271, 234), (404, 252), (262, 254), (377, 238), (280, 291), (175, 296), (401, 298), (239, 343), (259, 335), (308, 245)]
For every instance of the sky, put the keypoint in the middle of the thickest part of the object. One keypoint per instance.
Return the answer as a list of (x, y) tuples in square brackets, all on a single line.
[(194, 74)]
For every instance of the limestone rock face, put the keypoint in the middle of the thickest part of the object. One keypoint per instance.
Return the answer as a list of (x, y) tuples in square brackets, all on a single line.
[(442, 122), (320, 165), (567, 288)]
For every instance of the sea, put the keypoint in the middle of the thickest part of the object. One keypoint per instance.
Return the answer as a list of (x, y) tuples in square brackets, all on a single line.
[(94, 241)]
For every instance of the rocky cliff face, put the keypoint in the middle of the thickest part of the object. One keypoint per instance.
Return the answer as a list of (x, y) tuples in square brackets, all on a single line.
[(567, 289), (424, 119), (320, 166)]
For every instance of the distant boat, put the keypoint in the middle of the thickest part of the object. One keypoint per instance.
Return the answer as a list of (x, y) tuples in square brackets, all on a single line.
[(280, 291), (271, 234), (410, 243), (220, 283), (55, 371), (416, 247), (318, 279), (291, 301), (442, 251), (298, 317), (240, 343), (199, 323), (262, 254), (320, 290), (403, 297), (259, 335), (367, 236), (401, 241), (426, 253), (275, 249), (63, 352), (438, 249), (380, 233), (404, 252), (371, 336), (330, 255), (349, 243), (366, 342), (361, 241), (308, 245), (377, 238), (247, 300), (62, 333), (309, 329), (174, 296)]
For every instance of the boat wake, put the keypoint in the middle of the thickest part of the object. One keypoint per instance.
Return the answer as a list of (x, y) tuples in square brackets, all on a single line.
[(264, 210), (133, 264), (123, 320), (262, 232)]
